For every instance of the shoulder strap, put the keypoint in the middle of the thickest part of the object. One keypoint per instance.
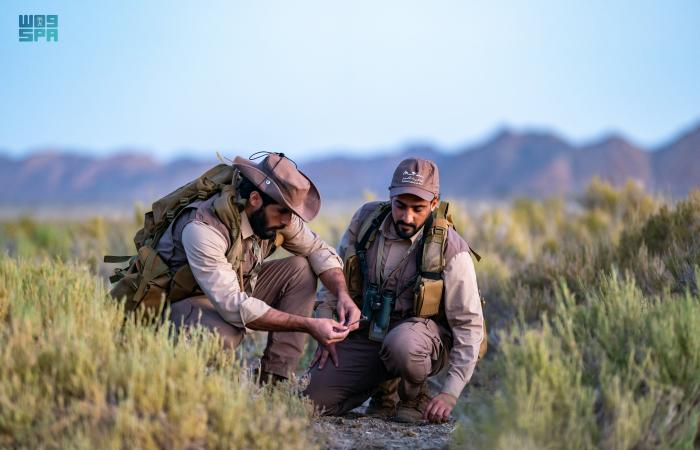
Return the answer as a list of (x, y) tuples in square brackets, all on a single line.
[(367, 233), (430, 258), (473, 252), (220, 178), (235, 255), (226, 208), (368, 229), (117, 259)]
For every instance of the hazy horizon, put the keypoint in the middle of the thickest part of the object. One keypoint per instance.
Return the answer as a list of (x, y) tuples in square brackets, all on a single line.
[(331, 153)]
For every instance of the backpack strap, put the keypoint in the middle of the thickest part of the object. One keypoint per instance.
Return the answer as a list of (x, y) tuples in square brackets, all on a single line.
[(368, 230), (473, 252), (367, 234), (431, 257), (235, 255), (430, 262), (117, 259), (226, 208)]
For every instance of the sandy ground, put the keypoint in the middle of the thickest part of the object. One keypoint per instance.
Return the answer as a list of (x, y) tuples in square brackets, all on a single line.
[(357, 431)]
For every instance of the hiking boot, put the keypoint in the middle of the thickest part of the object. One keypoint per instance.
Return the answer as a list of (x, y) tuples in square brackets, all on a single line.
[(381, 407), (383, 401), (411, 411)]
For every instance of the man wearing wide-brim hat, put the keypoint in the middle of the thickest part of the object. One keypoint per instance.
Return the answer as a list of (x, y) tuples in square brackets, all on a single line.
[(225, 241)]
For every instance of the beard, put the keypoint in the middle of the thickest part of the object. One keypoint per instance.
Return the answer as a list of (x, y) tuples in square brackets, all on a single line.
[(402, 234), (258, 222)]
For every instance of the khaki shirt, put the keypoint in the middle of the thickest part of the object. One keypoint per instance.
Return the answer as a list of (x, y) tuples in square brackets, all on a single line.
[(462, 301), (206, 254)]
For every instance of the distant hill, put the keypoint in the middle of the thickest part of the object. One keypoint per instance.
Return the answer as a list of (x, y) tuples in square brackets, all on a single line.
[(507, 164), (676, 166)]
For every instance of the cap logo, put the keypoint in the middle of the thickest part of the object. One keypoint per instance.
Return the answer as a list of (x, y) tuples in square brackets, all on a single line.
[(412, 177)]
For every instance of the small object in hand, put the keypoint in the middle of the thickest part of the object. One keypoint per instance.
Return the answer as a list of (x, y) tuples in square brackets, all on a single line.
[(357, 321)]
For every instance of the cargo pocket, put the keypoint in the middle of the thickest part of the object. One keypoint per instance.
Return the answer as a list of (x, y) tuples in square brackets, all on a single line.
[(183, 285), (438, 354)]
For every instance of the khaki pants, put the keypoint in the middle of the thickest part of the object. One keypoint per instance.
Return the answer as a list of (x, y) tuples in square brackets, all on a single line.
[(288, 285), (412, 350)]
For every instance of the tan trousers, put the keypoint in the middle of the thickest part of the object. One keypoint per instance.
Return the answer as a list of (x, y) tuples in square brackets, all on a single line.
[(412, 350), (288, 285)]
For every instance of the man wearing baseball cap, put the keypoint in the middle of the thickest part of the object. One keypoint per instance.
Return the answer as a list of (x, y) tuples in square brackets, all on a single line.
[(224, 241), (417, 342)]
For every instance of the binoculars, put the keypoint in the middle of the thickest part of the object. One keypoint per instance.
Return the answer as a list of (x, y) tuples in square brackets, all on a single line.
[(376, 308)]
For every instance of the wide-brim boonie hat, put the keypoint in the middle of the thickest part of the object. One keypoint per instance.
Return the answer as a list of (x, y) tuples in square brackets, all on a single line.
[(279, 177)]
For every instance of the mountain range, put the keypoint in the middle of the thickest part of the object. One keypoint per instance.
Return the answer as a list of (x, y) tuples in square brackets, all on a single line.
[(507, 164)]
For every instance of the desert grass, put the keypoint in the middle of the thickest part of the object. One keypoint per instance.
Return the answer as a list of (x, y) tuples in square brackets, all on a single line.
[(601, 347), (74, 375)]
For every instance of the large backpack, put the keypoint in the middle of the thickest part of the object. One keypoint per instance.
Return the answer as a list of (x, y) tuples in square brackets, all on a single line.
[(146, 283), (430, 259)]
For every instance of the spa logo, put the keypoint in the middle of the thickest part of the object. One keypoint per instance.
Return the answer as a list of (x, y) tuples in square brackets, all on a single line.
[(33, 28)]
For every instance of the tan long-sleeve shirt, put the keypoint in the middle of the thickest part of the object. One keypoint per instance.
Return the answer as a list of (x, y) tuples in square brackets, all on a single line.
[(206, 250)]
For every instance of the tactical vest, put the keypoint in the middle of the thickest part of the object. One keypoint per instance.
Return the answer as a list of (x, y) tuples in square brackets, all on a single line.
[(419, 287), (153, 279)]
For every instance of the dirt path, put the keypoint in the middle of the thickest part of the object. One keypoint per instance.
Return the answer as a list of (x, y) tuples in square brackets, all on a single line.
[(357, 431)]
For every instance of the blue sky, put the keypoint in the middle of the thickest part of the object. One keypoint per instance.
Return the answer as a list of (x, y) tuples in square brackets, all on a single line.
[(310, 77)]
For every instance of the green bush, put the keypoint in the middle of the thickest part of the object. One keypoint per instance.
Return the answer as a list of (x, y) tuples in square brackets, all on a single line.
[(586, 357), (614, 370), (71, 376)]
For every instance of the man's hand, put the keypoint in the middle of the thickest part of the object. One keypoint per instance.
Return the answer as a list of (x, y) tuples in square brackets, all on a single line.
[(348, 312), (321, 356), (439, 408), (327, 331)]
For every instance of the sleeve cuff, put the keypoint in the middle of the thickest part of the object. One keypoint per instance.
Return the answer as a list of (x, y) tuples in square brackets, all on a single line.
[(322, 260), (251, 309), (453, 385)]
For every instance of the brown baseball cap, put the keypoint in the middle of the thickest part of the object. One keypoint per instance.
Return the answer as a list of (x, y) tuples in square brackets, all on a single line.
[(416, 176), (278, 177)]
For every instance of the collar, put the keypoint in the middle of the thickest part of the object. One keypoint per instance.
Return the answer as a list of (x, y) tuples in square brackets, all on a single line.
[(389, 231), (246, 229)]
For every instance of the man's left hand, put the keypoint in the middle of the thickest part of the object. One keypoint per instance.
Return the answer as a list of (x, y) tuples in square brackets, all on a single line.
[(348, 312), (439, 408), (322, 354)]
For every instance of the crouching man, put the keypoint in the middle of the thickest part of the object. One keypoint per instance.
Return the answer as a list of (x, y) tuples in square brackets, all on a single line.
[(413, 277), (224, 241)]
